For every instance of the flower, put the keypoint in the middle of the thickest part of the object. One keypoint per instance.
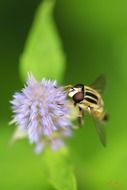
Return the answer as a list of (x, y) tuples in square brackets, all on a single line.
[(41, 111)]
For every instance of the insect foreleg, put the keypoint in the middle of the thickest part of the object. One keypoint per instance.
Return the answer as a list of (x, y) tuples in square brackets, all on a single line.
[(81, 117)]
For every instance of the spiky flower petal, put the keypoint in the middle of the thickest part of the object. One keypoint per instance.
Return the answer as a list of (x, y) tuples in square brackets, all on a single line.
[(41, 109)]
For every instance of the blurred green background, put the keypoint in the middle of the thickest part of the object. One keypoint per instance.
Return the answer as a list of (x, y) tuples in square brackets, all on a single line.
[(94, 37)]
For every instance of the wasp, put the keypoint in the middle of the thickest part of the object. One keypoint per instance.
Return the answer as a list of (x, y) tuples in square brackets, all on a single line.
[(89, 99)]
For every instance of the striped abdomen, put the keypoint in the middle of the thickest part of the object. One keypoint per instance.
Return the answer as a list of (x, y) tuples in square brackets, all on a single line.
[(91, 96)]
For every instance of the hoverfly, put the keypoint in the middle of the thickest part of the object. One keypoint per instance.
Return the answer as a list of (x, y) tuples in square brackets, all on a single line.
[(89, 99)]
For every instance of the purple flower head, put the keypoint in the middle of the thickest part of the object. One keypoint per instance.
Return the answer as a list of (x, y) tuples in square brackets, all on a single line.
[(41, 110)]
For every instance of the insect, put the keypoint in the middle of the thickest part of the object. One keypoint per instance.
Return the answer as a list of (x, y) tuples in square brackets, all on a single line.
[(89, 99)]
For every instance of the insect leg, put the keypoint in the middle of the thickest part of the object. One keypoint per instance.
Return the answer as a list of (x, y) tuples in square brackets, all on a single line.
[(81, 117)]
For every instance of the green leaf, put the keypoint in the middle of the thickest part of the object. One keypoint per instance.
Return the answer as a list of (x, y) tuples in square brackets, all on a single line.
[(43, 54), (60, 170)]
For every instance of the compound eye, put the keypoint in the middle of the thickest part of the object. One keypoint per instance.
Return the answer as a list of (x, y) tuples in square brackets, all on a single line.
[(78, 97)]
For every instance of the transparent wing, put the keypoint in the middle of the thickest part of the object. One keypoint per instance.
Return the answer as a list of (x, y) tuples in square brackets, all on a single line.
[(100, 130), (99, 84)]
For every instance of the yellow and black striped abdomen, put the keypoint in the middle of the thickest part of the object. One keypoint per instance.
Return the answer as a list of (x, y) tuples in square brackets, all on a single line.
[(92, 97)]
